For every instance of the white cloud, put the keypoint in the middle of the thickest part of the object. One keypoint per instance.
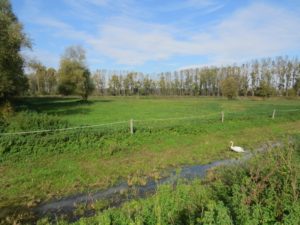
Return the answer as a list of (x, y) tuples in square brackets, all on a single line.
[(134, 43), (52, 60), (204, 5), (97, 2), (53, 23), (62, 29), (256, 31)]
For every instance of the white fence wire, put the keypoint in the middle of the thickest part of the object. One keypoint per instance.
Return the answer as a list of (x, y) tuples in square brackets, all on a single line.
[(63, 129), (131, 122)]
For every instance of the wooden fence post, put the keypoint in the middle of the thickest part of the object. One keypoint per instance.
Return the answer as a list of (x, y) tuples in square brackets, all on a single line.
[(222, 114), (273, 115), (131, 126)]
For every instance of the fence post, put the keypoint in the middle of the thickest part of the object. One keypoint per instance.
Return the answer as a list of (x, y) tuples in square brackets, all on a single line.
[(273, 115), (131, 126), (222, 114)]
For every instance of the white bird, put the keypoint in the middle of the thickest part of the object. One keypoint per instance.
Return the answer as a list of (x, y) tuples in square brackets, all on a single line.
[(236, 148)]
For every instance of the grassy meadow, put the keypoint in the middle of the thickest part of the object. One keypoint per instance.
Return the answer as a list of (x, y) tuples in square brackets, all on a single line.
[(168, 132), (112, 109)]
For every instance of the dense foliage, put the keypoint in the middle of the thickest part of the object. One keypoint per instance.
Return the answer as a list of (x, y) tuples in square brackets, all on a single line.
[(229, 87), (12, 39), (74, 76)]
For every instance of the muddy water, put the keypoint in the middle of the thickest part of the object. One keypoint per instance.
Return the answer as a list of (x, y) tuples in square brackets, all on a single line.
[(122, 192)]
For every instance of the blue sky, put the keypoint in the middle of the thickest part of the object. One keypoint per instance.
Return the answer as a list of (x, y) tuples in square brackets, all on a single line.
[(156, 36)]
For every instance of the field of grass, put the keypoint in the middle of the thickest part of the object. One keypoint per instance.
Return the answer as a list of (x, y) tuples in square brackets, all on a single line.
[(111, 109), (265, 190), (38, 167)]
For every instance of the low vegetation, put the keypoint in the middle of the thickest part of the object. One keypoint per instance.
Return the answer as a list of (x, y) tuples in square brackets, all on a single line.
[(264, 190), (40, 166)]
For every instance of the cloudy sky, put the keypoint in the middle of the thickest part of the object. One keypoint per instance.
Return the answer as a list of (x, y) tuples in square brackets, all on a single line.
[(160, 35)]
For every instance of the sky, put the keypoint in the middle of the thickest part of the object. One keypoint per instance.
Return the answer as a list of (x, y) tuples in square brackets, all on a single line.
[(160, 35)]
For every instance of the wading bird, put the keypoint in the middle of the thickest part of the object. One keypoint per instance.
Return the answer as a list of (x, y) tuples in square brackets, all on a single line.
[(236, 148)]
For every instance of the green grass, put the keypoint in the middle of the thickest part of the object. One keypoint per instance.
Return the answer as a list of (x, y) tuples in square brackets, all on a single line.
[(42, 166), (112, 109), (265, 190)]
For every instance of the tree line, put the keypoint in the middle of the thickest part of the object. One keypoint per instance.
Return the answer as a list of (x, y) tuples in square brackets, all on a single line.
[(72, 77), (278, 76), (266, 77)]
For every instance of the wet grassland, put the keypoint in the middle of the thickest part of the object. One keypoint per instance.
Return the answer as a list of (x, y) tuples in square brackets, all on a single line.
[(167, 133)]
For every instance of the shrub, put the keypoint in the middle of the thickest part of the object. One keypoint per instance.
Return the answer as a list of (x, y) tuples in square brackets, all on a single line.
[(229, 87)]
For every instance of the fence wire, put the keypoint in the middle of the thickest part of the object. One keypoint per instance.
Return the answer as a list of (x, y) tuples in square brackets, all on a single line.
[(63, 129), (208, 117)]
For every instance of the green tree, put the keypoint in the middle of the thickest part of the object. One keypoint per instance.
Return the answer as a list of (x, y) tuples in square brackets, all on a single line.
[(41, 80), (12, 39), (99, 81), (129, 83), (37, 78), (264, 89), (230, 87), (176, 84), (188, 84), (162, 85), (254, 76), (74, 76), (51, 81), (114, 85)]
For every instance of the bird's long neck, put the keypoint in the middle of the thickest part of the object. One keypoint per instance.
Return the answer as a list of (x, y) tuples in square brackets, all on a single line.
[(231, 143)]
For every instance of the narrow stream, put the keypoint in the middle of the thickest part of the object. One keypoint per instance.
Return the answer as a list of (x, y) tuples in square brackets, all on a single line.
[(115, 196), (123, 192)]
